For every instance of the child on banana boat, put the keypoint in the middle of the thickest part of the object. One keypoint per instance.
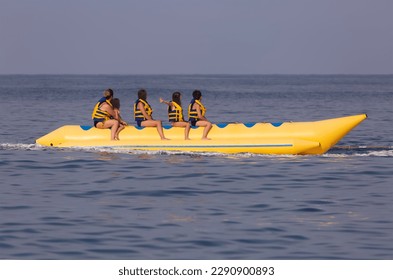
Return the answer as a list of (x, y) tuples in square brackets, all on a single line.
[(122, 123)]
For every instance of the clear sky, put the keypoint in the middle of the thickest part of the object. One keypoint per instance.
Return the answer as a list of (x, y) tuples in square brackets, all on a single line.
[(196, 37)]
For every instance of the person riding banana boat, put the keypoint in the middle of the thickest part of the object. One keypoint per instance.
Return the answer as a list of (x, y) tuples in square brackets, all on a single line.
[(196, 114)]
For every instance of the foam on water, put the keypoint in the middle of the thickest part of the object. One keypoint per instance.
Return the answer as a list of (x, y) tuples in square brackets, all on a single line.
[(360, 151), (335, 152), (20, 146)]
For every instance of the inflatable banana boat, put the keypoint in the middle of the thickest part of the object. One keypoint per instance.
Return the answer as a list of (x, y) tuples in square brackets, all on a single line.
[(301, 138)]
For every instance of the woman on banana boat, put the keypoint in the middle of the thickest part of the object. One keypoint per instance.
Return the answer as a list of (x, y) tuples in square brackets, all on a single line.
[(143, 114), (175, 113), (105, 115), (196, 114)]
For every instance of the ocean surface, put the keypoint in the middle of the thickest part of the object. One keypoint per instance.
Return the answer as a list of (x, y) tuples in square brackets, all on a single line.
[(99, 204)]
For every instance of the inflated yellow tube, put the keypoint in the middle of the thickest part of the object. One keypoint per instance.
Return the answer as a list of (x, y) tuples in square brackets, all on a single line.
[(261, 138)]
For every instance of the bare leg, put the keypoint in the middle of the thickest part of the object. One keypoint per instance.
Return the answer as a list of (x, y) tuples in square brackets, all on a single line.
[(186, 130), (155, 123), (121, 127), (112, 124), (206, 130)]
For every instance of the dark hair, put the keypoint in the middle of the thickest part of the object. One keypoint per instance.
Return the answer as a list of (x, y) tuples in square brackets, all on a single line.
[(116, 103), (176, 97), (108, 93), (142, 94), (197, 94)]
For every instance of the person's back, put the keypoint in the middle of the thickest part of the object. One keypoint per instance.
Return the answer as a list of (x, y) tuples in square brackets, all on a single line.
[(175, 113), (143, 114), (196, 114), (116, 109), (104, 116)]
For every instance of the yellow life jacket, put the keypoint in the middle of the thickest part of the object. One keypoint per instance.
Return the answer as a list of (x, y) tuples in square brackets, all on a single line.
[(175, 115), (98, 113), (192, 113), (138, 115)]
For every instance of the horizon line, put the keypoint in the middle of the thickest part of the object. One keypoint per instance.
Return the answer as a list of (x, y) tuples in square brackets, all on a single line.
[(193, 74)]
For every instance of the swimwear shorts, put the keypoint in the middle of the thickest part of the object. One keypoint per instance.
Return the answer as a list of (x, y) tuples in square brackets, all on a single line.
[(96, 121)]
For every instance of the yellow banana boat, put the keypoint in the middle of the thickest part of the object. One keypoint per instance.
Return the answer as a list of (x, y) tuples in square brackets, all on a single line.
[(302, 138)]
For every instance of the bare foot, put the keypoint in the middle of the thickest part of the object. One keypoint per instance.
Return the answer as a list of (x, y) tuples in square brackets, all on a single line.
[(205, 138), (165, 138), (187, 139)]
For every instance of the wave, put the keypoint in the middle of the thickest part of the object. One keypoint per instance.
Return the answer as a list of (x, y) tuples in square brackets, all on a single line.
[(338, 151), (360, 151), (21, 147)]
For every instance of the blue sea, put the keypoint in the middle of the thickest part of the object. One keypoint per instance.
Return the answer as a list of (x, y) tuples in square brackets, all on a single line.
[(99, 204)]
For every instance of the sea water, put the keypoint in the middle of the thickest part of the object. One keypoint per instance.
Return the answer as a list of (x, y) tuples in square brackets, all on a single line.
[(99, 204)]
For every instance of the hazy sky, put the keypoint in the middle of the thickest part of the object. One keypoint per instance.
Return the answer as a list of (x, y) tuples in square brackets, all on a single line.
[(196, 37)]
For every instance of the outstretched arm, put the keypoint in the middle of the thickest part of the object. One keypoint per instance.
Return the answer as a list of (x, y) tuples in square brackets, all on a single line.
[(169, 103)]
